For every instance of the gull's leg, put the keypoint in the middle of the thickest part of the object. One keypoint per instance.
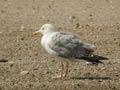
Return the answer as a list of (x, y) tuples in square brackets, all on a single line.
[(61, 75), (62, 65), (67, 66)]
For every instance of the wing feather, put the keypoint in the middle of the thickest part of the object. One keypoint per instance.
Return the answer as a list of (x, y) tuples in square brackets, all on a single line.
[(67, 45)]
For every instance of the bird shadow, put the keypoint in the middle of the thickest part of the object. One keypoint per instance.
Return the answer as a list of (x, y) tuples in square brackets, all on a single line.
[(2, 60), (94, 58), (91, 78)]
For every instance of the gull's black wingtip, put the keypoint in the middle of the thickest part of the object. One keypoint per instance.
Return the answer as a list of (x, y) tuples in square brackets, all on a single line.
[(95, 59)]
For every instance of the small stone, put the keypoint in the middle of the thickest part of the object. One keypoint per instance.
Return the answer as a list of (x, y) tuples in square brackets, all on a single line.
[(53, 60), (72, 17), (77, 25), (114, 38), (30, 85), (47, 72), (116, 42), (109, 62), (15, 84), (22, 28), (90, 15), (79, 85), (102, 83), (117, 75), (114, 62), (44, 85), (36, 54), (22, 38), (100, 80), (114, 88), (24, 72), (88, 63), (96, 36), (2, 11), (102, 68), (0, 33), (11, 63), (119, 44)]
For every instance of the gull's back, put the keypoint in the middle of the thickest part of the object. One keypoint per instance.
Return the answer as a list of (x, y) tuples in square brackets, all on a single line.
[(68, 45)]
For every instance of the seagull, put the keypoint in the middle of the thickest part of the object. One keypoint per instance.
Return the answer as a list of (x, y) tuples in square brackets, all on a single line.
[(65, 45)]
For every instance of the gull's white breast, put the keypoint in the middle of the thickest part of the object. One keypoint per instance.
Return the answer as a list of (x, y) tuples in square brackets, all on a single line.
[(46, 39)]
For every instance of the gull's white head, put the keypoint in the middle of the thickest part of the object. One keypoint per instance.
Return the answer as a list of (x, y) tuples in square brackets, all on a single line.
[(46, 29)]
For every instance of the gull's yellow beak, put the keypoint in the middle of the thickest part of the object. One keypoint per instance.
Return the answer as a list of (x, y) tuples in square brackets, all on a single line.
[(36, 33)]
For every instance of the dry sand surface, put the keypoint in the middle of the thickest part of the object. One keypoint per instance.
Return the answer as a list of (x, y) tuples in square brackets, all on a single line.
[(24, 65)]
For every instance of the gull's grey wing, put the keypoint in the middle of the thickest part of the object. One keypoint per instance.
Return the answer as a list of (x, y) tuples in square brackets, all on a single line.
[(68, 45)]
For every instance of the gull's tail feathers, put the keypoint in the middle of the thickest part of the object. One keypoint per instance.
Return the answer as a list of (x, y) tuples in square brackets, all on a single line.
[(89, 49)]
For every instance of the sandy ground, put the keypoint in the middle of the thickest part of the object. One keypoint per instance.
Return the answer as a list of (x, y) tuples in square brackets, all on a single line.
[(26, 66)]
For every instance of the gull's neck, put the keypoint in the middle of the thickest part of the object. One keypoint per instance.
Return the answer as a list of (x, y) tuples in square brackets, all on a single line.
[(46, 36)]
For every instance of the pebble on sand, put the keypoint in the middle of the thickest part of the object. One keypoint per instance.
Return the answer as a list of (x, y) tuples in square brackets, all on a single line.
[(0, 32), (11, 63), (24, 72), (22, 28), (72, 17)]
